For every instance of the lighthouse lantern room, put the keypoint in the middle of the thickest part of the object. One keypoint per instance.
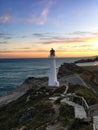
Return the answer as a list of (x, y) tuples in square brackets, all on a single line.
[(52, 74)]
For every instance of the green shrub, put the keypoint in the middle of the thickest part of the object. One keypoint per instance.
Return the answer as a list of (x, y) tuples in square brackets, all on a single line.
[(79, 124), (66, 114)]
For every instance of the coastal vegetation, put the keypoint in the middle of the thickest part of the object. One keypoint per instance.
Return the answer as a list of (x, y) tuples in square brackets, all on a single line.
[(84, 92), (16, 114), (38, 111)]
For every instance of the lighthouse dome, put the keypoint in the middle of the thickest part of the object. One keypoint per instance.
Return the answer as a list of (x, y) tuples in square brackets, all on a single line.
[(52, 52)]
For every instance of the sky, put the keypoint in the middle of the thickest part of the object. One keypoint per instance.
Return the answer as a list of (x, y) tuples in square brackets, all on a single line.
[(30, 28)]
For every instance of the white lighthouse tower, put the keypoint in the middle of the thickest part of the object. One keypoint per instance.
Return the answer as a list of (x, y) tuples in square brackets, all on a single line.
[(52, 74)]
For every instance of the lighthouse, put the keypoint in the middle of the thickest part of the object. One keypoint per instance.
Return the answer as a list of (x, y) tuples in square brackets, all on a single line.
[(52, 74)]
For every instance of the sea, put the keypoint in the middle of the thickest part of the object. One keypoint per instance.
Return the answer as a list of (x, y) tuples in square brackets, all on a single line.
[(13, 71)]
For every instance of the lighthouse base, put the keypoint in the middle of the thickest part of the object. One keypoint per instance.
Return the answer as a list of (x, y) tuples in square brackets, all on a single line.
[(56, 85)]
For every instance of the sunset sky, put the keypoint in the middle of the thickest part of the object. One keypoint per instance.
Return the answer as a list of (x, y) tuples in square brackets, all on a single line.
[(30, 28)]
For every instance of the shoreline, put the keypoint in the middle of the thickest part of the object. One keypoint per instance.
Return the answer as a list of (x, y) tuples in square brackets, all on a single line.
[(13, 95), (24, 87), (20, 90), (93, 63)]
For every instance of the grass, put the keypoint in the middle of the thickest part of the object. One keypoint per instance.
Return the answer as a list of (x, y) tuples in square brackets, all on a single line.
[(87, 93), (66, 114), (11, 113)]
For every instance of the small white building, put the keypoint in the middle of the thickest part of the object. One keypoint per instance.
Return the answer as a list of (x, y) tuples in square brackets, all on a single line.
[(52, 74)]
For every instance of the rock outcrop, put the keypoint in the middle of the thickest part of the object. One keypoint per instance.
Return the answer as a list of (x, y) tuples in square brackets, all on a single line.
[(68, 69), (90, 76), (87, 60)]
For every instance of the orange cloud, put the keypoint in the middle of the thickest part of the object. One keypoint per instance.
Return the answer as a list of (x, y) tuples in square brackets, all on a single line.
[(67, 52), (65, 47), (24, 53), (75, 37), (71, 40)]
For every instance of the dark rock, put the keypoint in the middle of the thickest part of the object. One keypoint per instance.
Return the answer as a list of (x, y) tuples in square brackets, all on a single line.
[(69, 68), (27, 114), (86, 60), (36, 82)]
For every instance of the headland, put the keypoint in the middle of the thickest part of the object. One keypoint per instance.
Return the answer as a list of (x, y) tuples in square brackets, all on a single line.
[(35, 107)]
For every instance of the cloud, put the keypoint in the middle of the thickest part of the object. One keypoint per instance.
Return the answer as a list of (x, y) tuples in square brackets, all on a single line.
[(5, 36), (41, 19), (43, 16), (69, 41), (38, 34), (81, 33), (3, 42), (24, 48), (84, 34), (24, 51), (47, 36), (5, 18), (22, 36), (75, 37)]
